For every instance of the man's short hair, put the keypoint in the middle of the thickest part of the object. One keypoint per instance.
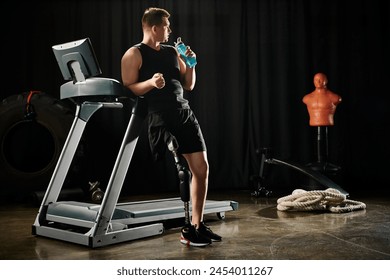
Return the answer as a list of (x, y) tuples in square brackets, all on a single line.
[(154, 16)]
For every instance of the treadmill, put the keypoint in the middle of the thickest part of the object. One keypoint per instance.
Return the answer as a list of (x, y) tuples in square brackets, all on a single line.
[(91, 224)]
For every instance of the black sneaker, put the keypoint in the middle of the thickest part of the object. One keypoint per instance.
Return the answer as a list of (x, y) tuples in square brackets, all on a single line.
[(190, 236), (207, 232)]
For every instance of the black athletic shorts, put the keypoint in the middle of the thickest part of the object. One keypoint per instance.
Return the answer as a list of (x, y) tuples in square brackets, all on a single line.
[(182, 124)]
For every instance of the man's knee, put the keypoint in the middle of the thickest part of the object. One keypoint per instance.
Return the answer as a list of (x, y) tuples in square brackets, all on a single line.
[(201, 171)]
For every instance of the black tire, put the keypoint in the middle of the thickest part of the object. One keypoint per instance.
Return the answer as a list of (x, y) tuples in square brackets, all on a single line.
[(31, 140)]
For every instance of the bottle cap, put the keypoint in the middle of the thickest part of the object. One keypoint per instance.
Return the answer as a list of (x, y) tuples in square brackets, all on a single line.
[(178, 41)]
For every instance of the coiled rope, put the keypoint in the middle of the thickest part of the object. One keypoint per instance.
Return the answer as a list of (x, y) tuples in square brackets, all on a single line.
[(329, 200)]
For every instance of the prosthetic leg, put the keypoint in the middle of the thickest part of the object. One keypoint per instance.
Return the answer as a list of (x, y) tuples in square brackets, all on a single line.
[(184, 179)]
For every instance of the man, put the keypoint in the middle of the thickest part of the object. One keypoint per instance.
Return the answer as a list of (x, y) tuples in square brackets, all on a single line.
[(158, 73)]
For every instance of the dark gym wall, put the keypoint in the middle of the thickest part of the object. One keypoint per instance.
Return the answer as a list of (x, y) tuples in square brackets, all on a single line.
[(256, 60)]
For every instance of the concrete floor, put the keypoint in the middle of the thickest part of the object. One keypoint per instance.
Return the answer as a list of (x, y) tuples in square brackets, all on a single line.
[(256, 231)]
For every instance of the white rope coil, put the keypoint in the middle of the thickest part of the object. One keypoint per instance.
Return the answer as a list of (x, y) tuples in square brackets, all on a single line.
[(330, 200)]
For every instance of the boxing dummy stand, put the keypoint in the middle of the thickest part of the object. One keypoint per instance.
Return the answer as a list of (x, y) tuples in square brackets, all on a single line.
[(322, 151)]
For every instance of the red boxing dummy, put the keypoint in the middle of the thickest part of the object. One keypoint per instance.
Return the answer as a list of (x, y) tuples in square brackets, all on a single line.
[(321, 103)]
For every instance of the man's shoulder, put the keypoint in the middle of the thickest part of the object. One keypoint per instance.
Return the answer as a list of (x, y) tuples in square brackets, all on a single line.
[(132, 52)]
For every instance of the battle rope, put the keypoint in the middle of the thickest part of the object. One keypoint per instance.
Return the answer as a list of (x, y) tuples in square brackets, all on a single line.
[(330, 199)]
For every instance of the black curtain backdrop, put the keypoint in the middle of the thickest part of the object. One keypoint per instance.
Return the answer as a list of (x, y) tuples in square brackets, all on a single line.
[(256, 61)]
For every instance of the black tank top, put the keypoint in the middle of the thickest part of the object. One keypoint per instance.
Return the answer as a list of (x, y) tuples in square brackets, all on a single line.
[(163, 61)]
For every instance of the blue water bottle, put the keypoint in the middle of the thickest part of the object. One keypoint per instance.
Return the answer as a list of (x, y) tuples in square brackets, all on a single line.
[(181, 48)]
